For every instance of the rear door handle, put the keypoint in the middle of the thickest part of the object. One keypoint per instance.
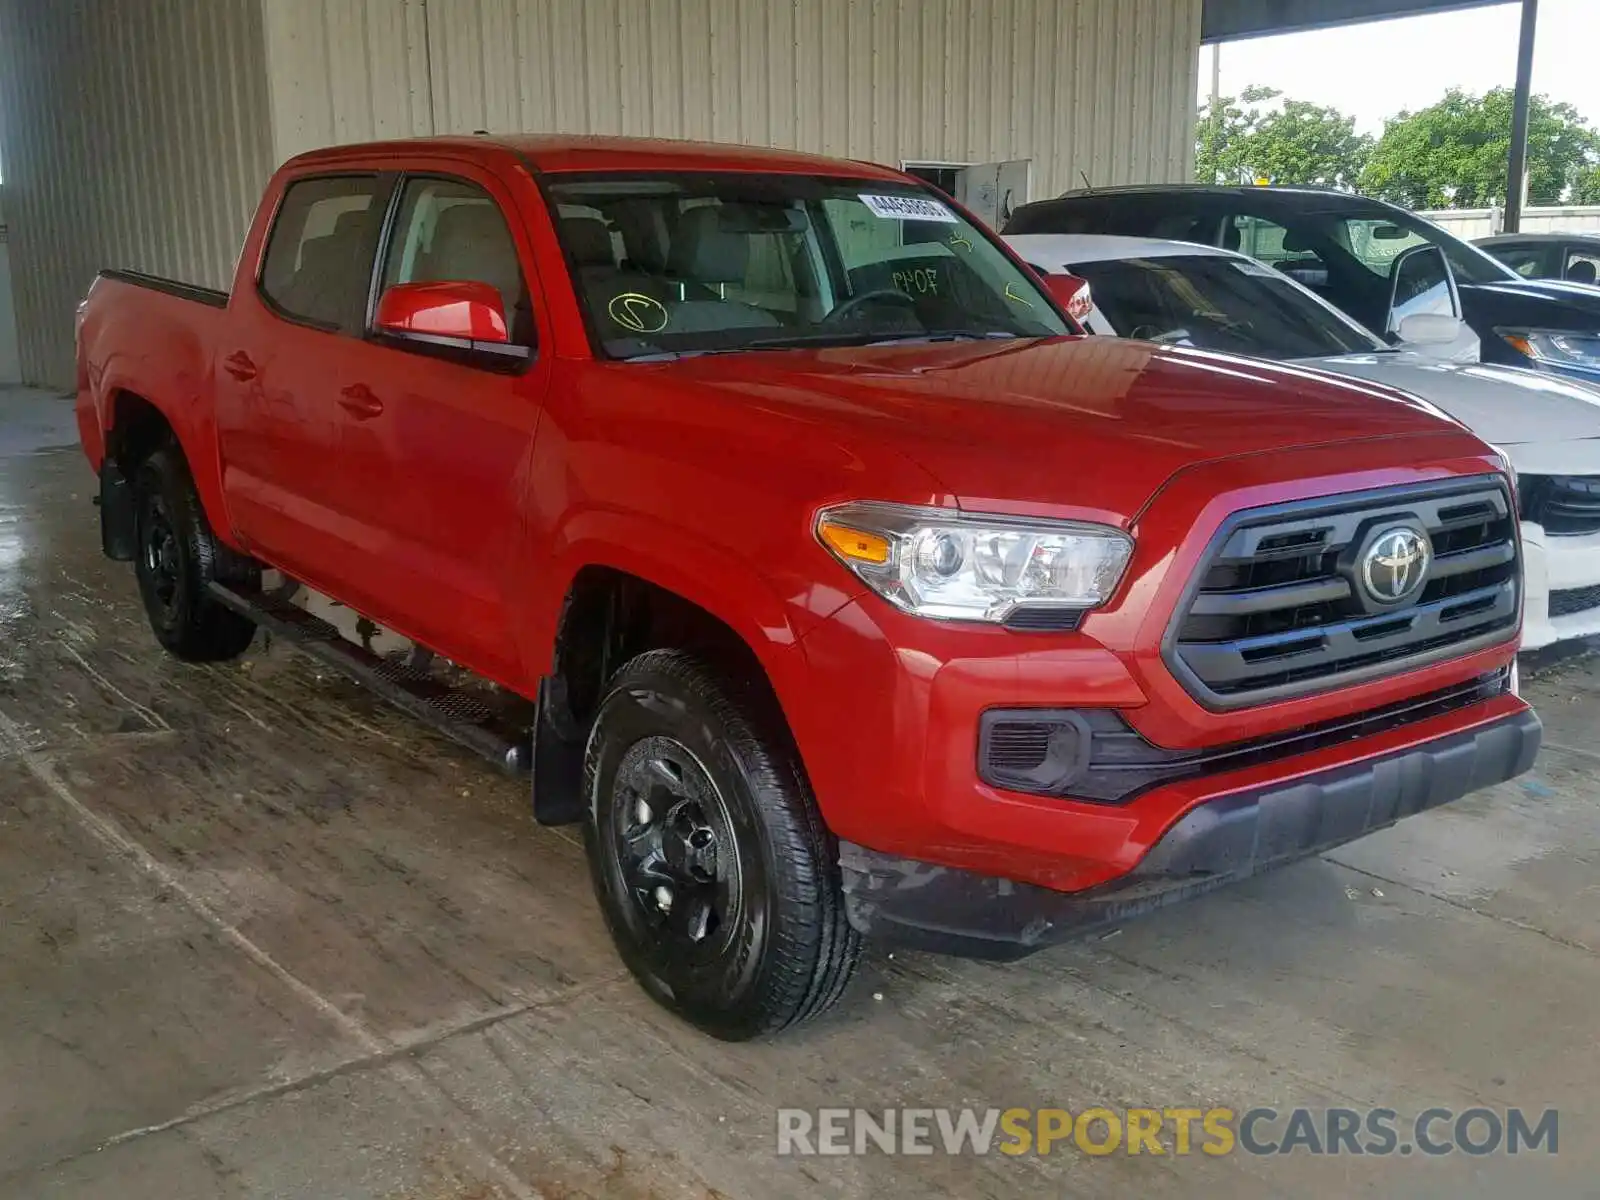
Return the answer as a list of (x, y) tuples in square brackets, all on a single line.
[(358, 400), (241, 366)]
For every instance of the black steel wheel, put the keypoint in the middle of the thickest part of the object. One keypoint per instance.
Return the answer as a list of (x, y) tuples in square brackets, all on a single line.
[(176, 558), (717, 879)]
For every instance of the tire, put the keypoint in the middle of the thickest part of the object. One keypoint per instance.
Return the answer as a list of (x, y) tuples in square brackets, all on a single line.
[(751, 938), (176, 557)]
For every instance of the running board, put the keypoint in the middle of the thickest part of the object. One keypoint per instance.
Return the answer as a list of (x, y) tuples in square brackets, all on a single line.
[(462, 716)]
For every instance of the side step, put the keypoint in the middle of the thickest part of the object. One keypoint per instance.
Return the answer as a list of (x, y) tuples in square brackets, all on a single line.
[(501, 733)]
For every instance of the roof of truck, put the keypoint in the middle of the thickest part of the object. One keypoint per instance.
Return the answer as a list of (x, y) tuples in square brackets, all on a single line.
[(573, 152)]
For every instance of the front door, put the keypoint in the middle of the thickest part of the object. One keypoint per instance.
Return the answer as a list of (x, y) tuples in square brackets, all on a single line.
[(437, 439)]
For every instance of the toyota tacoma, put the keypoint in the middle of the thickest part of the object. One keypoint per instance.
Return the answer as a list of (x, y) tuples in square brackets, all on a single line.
[(779, 522)]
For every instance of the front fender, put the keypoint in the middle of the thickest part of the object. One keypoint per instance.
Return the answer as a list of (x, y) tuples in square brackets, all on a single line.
[(714, 578)]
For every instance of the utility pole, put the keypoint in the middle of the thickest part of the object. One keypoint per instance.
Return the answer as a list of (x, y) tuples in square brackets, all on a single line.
[(1517, 167)]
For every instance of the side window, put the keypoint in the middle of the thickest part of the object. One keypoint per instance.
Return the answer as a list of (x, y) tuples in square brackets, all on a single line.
[(451, 231), (1529, 261), (1290, 252), (319, 255), (1583, 266)]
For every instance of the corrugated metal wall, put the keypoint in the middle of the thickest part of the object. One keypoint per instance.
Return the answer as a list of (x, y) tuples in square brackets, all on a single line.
[(133, 133), (1105, 87)]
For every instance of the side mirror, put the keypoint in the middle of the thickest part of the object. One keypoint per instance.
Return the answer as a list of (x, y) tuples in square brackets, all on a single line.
[(1072, 292), (458, 311), (1420, 281), (1429, 329)]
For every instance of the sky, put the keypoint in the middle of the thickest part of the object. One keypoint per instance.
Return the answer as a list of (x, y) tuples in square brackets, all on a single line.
[(1374, 71)]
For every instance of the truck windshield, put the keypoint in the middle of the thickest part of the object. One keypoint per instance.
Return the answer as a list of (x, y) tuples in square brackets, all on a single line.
[(1219, 303), (679, 263)]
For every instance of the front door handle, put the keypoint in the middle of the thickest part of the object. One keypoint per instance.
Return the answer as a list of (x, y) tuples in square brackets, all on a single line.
[(359, 400), (241, 366)]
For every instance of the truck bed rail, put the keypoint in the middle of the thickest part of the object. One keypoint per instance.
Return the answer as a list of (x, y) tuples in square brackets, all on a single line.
[(172, 287)]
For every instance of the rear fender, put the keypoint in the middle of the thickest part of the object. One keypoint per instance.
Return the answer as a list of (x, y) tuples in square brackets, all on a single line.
[(189, 415)]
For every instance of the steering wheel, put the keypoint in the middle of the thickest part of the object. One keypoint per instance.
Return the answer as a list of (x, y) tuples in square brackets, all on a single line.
[(877, 296)]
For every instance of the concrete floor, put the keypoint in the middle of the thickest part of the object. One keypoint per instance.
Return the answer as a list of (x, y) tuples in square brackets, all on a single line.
[(262, 936)]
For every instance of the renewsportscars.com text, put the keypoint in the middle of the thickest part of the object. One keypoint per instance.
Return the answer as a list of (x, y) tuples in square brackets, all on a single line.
[(1179, 1131)]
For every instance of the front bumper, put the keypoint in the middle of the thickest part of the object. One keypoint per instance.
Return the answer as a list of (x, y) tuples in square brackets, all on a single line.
[(1569, 565), (1220, 841)]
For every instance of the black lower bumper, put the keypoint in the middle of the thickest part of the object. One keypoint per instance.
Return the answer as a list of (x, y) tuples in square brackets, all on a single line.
[(956, 912)]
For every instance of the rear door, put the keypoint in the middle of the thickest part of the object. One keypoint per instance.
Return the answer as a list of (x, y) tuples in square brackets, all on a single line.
[(277, 396), (438, 438)]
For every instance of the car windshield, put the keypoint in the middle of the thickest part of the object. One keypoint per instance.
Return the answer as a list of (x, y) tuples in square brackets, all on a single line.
[(678, 263), (1219, 303), (1376, 241)]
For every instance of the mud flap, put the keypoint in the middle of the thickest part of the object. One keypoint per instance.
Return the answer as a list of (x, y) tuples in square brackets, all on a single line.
[(118, 536), (557, 768)]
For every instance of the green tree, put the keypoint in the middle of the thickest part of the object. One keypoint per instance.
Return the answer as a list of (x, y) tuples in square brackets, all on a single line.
[(1454, 153), (1261, 135)]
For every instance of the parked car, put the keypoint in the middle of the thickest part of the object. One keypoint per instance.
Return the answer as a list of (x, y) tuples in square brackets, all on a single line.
[(846, 591), (1184, 294), (1344, 247), (1573, 257)]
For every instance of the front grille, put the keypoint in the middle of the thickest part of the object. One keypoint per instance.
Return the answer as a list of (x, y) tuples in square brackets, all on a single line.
[(1278, 610), (1565, 505), (1570, 601)]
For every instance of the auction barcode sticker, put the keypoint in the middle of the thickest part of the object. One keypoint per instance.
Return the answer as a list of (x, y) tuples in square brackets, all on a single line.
[(908, 208)]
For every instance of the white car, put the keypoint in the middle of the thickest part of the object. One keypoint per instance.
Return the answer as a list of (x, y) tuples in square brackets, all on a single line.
[(1192, 295)]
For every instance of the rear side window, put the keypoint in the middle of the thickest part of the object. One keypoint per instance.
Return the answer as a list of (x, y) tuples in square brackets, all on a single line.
[(318, 265)]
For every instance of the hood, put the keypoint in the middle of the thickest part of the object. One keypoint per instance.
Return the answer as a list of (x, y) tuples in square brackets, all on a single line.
[(1547, 424), (1574, 306), (1044, 425)]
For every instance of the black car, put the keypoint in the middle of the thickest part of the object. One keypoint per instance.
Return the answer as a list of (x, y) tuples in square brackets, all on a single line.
[(1345, 248), (1574, 257)]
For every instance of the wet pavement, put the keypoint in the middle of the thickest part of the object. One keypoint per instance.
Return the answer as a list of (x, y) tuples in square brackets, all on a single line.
[(261, 936)]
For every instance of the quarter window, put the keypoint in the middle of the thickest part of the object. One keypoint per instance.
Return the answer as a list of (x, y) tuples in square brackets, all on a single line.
[(1583, 266), (318, 264)]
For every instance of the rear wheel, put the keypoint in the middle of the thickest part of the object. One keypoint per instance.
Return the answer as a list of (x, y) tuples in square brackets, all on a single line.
[(717, 878), (177, 557)]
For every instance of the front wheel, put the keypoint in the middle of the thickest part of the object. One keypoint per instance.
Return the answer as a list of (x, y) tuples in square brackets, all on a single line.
[(178, 556), (718, 881)]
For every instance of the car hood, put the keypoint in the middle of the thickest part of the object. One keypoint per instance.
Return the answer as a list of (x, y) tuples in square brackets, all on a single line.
[(1574, 306), (1546, 424), (1042, 426)]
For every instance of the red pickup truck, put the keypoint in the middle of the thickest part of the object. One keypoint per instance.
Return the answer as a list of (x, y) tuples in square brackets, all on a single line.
[(781, 524)]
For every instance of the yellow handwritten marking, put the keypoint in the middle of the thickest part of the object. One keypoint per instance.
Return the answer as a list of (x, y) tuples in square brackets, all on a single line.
[(1015, 298), (637, 312)]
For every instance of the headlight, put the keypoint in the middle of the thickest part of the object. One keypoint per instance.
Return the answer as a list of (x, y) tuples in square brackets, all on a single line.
[(969, 567), (1555, 348)]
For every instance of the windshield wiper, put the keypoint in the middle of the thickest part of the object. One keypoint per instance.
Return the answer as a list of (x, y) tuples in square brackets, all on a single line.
[(952, 335), (877, 339)]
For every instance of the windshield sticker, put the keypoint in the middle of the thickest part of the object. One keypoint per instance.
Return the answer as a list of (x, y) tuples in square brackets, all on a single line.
[(1017, 297), (638, 313), (1254, 268), (908, 208)]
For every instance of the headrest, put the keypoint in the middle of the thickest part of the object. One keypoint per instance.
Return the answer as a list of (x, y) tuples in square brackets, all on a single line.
[(350, 225), (588, 241), (702, 250), (1582, 271)]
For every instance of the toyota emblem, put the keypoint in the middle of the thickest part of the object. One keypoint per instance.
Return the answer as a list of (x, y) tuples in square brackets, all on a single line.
[(1395, 565)]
